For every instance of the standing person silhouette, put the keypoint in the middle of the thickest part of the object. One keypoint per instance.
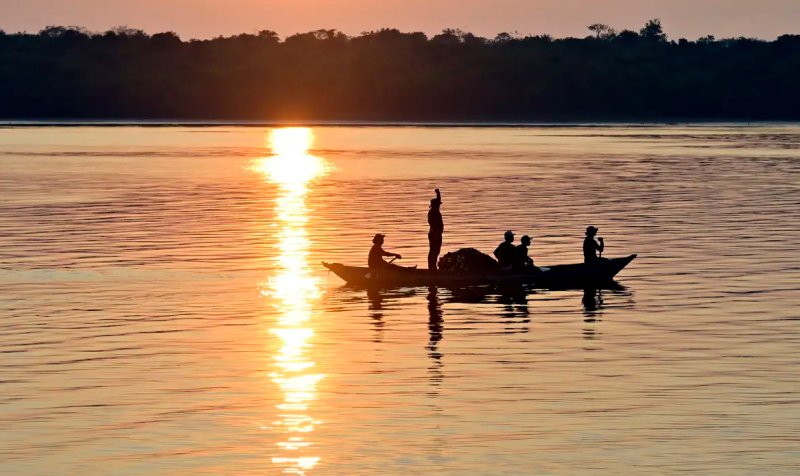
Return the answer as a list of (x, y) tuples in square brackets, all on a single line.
[(435, 232)]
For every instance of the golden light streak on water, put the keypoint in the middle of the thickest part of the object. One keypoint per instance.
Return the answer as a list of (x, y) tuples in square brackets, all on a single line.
[(293, 291)]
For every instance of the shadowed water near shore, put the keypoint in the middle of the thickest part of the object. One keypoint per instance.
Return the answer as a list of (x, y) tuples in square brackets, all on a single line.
[(163, 309)]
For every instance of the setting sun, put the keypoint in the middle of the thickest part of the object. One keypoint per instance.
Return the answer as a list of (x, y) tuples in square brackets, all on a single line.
[(291, 166), (291, 141)]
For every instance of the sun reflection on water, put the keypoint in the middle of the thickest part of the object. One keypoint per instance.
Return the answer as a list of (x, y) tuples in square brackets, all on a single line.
[(292, 167), (293, 291)]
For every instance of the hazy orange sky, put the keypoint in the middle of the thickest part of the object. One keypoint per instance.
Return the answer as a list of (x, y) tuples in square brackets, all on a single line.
[(208, 18)]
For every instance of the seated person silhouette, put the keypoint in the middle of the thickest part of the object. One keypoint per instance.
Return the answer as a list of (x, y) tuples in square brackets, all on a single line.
[(376, 254), (506, 251), (523, 262), (592, 247)]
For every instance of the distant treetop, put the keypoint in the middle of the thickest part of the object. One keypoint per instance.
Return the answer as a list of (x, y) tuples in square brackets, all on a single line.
[(387, 74)]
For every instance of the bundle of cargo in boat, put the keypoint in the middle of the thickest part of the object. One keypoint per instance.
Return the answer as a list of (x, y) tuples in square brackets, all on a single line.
[(467, 260)]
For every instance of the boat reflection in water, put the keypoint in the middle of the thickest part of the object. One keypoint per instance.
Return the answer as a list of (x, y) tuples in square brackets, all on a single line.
[(293, 290)]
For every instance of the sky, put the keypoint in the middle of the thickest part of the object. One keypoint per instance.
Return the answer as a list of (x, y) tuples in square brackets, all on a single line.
[(690, 19)]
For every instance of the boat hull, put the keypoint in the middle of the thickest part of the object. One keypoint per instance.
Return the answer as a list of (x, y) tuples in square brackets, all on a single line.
[(560, 276)]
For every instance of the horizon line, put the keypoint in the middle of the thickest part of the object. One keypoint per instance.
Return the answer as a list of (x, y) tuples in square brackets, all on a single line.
[(514, 33), (361, 123)]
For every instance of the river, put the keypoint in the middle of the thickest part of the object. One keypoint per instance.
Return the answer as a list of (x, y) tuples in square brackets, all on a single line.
[(164, 311)]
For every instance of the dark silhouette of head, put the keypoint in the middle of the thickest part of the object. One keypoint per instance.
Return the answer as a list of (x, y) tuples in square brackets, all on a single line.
[(525, 240), (509, 236), (591, 231), (378, 239), (436, 203)]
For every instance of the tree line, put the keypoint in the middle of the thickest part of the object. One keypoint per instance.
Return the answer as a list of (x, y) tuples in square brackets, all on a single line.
[(69, 72)]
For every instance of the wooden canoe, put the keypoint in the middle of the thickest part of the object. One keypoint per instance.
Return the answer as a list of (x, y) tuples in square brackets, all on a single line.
[(560, 276)]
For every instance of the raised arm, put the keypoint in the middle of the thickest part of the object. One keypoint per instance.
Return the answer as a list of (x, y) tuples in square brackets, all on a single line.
[(438, 195)]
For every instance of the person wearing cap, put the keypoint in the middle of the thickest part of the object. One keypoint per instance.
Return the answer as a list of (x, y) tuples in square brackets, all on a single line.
[(591, 247), (522, 261), (506, 251), (376, 254), (435, 232)]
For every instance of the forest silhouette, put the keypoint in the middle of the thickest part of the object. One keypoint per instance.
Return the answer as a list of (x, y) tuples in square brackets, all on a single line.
[(388, 75)]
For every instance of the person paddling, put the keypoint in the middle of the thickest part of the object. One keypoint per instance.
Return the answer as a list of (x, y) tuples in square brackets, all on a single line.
[(591, 247), (506, 251), (377, 253), (435, 232)]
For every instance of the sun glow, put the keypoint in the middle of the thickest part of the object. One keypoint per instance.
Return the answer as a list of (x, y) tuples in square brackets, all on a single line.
[(291, 166), (292, 290), (291, 141)]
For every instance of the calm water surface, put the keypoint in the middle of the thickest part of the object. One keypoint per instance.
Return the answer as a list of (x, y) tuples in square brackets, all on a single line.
[(163, 310)]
